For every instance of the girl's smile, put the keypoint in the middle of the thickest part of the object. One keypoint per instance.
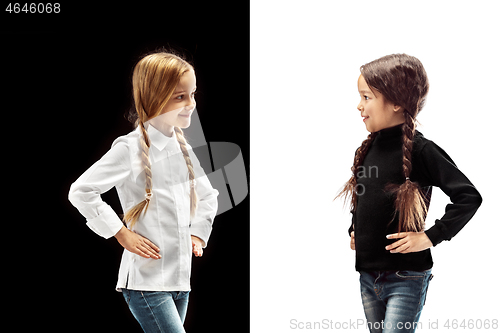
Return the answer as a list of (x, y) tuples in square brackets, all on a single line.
[(187, 115)]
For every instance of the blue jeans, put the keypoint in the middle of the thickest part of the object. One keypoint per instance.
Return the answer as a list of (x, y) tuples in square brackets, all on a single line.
[(158, 311), (393, 300)]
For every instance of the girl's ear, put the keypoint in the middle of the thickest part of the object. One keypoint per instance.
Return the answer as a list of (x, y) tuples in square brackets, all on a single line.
[(398, 108)]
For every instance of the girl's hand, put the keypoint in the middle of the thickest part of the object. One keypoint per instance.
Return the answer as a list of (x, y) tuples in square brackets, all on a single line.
[(353, 244), (137, 244), (197, 246), (409, 242)]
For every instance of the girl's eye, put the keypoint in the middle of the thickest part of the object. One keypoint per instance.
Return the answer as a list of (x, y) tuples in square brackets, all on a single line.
[(181, 97), (365, 97)]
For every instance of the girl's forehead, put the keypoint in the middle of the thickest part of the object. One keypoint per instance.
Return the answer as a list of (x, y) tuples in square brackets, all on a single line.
[(363, 87), (362, 82), (188, 78), (186, 82)]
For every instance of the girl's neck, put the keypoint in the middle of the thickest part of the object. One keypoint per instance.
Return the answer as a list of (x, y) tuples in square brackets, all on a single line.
[(162, 126)]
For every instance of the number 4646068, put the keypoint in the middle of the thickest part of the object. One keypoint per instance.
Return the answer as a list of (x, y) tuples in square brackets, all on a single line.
[(34, 8)]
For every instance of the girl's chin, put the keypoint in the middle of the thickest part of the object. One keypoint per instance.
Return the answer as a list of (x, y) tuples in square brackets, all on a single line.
[(184, 124)]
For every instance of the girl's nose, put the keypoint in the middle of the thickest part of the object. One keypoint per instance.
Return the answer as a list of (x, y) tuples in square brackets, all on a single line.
[(360, 107)]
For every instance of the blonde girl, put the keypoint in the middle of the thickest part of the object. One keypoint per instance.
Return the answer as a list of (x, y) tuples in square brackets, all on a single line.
[(390, 189), (168, 202)]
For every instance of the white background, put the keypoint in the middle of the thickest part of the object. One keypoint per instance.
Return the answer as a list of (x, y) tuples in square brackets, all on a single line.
[(305, 59)]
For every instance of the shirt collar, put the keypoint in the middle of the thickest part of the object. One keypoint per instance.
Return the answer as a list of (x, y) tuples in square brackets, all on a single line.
[(158, 139), (390, 134)]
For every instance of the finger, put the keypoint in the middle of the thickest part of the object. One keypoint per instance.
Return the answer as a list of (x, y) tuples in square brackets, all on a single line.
[(401, 249), (398, 247), (141, 253), (151, 248), (149, 251), (198, 251), (151, 245), (392, 246), (396, 236), (396, 244)]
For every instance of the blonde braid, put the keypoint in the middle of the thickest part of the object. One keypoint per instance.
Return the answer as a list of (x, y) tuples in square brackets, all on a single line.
[(133, 214), (145, 144), (192, 194)]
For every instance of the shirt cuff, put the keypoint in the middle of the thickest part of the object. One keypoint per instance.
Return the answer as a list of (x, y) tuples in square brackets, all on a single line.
[(106, 224), (434, 235), (202, 230)]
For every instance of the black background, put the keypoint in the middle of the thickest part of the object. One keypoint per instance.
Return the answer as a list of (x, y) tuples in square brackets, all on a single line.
[(66, 82)]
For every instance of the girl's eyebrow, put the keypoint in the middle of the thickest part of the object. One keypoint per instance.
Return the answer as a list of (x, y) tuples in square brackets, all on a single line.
[(365, 91), (182, 91)]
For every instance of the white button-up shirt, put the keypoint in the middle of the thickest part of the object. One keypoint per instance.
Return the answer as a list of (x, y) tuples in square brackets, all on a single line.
[(166, 223)]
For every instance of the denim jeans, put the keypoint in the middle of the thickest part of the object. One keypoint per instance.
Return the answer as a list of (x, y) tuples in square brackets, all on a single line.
[(393, 300), (158, 311)]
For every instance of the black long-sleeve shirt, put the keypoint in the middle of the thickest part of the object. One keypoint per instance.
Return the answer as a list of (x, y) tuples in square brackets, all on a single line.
[(431, 166)]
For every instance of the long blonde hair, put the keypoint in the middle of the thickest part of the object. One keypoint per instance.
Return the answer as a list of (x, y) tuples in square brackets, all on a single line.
[(154, 81)]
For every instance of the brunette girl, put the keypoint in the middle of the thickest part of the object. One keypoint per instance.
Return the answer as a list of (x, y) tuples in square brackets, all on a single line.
[(168, 202), (389, 204)]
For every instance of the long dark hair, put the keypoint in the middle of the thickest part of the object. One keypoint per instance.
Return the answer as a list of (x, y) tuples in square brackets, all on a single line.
[(402, 80)]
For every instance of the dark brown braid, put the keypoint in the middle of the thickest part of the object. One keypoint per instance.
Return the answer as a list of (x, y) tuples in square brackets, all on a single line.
[(349, 189), (409, 201), (408, 134)]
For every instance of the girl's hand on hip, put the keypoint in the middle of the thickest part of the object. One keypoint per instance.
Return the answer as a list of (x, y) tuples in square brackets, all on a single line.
[(137, 244), (353, 244), (409, 242), (197, 246)]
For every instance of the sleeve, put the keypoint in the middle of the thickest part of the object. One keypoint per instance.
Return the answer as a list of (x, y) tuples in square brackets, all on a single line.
[(85, 192), (465, 199), (201, 224)]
